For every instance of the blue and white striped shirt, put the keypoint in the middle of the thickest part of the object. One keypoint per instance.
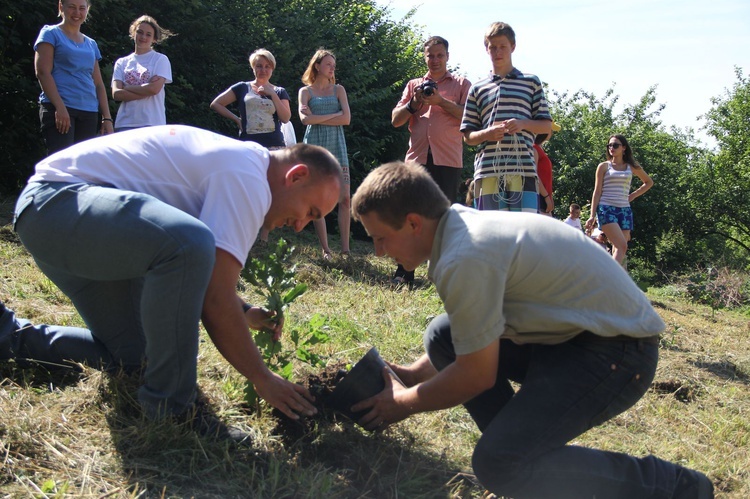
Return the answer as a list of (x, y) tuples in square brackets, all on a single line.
[(495, 99)]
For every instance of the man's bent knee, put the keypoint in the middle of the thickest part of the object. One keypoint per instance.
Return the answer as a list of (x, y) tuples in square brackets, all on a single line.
[(492, 467)]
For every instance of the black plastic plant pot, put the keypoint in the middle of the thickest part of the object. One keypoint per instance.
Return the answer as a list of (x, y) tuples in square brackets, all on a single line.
[(363, 381)]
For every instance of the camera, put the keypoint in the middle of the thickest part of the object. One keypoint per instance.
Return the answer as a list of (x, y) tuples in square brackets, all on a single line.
[(428, 87)]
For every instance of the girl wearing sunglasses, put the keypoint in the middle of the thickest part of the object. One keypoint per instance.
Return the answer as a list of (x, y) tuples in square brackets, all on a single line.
[(612, 197)]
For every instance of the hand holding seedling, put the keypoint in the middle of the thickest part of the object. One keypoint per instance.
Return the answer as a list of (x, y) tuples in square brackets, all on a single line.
[(274, 278), (260, 319)]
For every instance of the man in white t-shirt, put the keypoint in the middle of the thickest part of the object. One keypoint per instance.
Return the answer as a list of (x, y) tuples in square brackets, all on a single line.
[(147, 231), (576, 333)]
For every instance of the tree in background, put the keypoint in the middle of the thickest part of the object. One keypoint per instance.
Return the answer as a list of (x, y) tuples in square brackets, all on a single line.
[(726, 210), (587, 122), (21, 145), (215, 38), (697, 209)]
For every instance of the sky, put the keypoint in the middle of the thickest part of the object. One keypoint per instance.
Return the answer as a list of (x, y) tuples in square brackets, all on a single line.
[(688, 49)]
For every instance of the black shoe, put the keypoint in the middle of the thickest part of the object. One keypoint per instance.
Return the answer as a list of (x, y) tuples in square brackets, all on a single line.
[(8, 326), (201, 419), (693, 484), (402, 276)]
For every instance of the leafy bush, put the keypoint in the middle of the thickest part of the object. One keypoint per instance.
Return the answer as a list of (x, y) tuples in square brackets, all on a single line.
[(719, 287)]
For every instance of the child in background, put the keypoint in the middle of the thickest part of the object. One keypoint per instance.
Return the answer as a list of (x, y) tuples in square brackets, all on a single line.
[(574, 218)]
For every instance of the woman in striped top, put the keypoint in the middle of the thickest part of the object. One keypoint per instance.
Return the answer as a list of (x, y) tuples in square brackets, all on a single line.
[(612, 197)]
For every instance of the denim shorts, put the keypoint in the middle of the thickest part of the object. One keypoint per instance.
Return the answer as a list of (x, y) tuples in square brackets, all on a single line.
[(623, 217)]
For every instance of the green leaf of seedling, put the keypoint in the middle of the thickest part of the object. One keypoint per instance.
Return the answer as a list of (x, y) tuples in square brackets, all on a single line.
[(294, 336), (287, 371), (251, 396), (294, 293), (304, 355), (316, 338), (275, 304), (274, 278), (317, 321)]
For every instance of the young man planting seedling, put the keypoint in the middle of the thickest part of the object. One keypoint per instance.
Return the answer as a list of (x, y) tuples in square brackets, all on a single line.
[(147, 231), (582, 348)]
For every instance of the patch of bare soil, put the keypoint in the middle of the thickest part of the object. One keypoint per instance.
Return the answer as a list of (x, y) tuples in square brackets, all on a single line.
[(683, 391), (321, 385)]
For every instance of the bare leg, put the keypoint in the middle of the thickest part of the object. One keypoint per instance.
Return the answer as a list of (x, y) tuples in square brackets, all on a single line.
[(618, 239), (320, 230), (345, 222)]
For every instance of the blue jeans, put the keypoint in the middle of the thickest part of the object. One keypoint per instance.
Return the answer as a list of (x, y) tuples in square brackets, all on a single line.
[(566, 389), (136, 270)]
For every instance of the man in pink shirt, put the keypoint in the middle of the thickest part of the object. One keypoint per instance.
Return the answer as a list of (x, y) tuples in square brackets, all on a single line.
[(433, 106)]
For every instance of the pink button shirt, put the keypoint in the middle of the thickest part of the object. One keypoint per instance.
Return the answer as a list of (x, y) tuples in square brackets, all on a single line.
[(434, 129)]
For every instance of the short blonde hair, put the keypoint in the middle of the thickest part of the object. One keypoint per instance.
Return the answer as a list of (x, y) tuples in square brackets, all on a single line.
[(394, 190), (265, 54)]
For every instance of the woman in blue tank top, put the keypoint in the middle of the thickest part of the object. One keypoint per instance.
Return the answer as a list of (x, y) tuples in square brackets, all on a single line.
[(324, 108), (612, 197)]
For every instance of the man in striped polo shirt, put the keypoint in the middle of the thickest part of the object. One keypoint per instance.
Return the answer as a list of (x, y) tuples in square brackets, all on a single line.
[(503, 113)]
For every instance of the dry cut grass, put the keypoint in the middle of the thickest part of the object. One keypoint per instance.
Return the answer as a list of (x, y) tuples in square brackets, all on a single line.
[(65, 434)]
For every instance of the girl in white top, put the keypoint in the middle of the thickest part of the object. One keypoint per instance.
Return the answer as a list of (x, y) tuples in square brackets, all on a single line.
[(138, 79), (610, 203)]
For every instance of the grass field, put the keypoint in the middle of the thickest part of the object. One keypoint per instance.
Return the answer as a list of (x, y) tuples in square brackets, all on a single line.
[(66, 434)]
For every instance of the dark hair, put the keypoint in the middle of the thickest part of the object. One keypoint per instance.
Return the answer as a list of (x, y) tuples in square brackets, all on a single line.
[(320, 161), (435, 40), (627, 154), (394, 190), (500, 29)]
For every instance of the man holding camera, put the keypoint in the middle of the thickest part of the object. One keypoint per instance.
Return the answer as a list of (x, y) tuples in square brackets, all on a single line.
[(433, 106)]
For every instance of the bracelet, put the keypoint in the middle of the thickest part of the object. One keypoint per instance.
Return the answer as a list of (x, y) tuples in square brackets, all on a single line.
[(108, 119), (246, 307), (548, 196)]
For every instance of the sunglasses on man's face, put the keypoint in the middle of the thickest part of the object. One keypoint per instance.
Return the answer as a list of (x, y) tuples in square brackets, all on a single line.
[(614, 145)]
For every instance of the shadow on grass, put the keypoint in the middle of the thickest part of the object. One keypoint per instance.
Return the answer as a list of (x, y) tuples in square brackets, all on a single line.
[(8, 235), (726, 370), (388, 464), (36, 376), (332, 459), (358, 266)]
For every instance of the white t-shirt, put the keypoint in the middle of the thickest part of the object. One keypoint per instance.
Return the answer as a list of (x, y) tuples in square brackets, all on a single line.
[(527, 278), (138, 70), (574, 222), (219, 180)]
